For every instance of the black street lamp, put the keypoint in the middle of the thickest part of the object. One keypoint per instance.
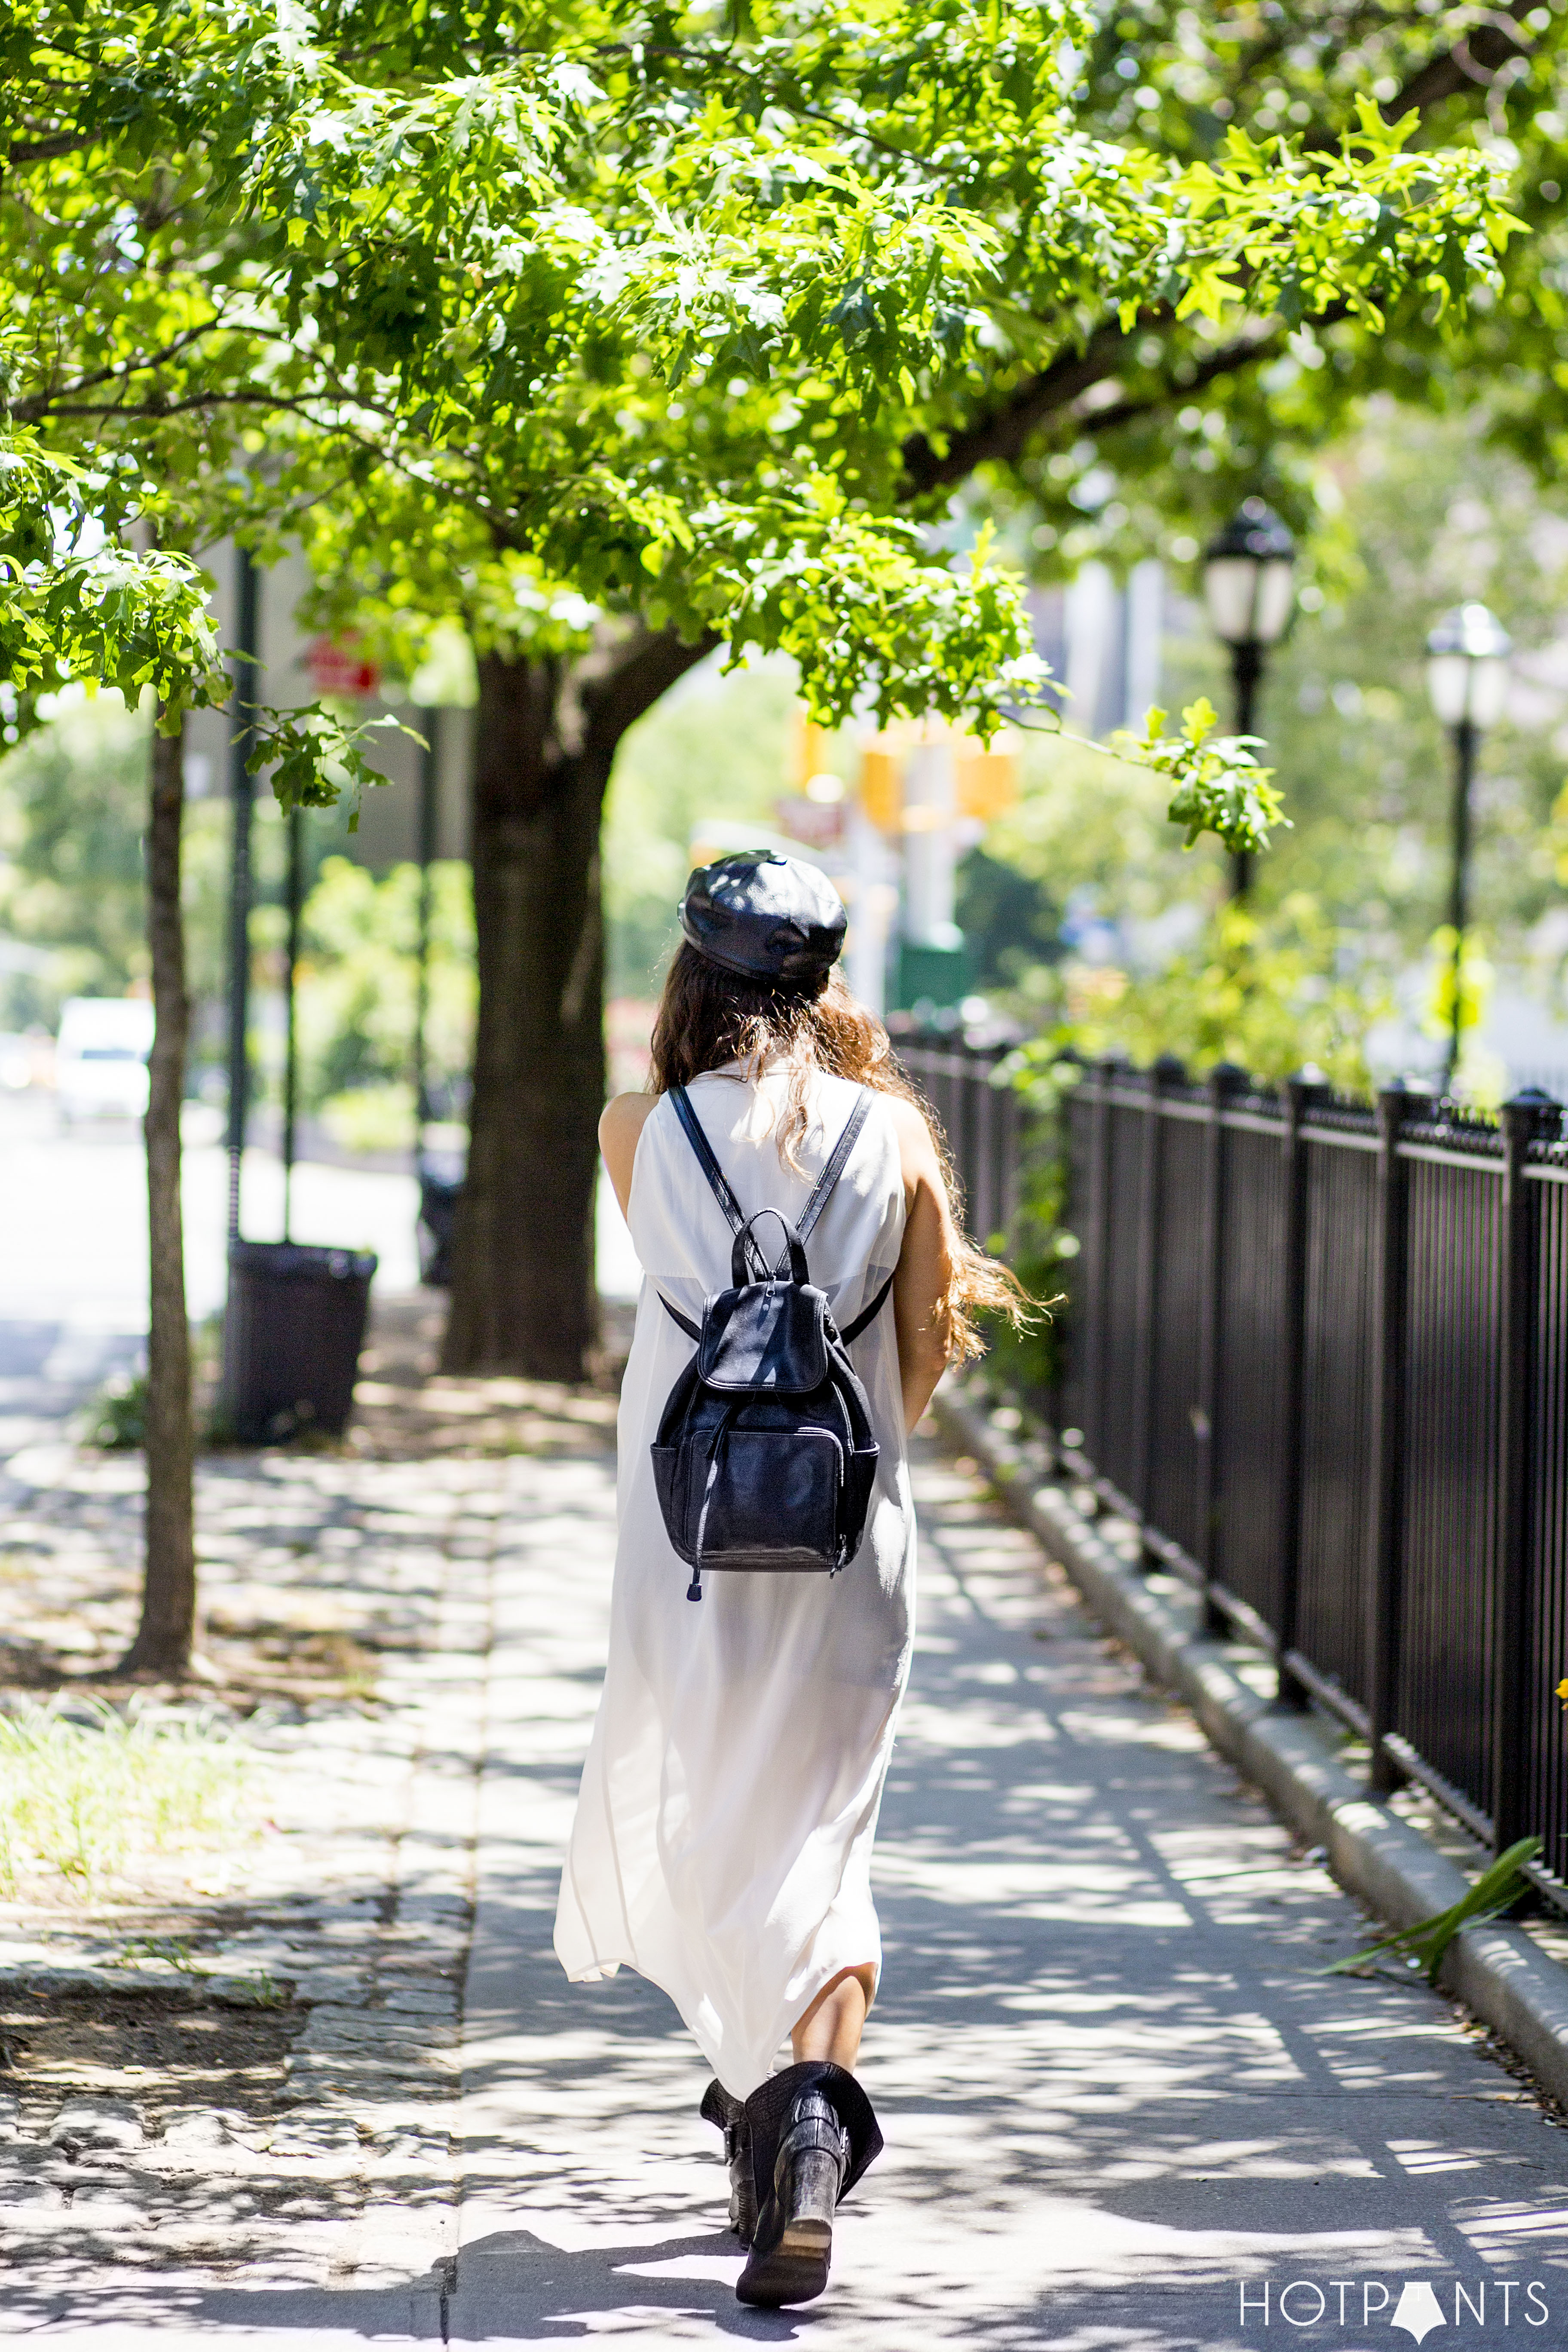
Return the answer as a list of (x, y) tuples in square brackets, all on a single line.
[(242, 797), (1249, 587), (1467, 677)]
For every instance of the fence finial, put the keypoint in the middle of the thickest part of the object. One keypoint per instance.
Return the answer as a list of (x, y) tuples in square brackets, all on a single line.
[(1537, 1112)]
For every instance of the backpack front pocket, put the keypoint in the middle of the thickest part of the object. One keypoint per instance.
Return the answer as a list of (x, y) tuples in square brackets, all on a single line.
[(771, 1498)]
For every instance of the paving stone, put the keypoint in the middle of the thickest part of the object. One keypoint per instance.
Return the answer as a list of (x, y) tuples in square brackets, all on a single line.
[(204, 2127), (19, 2194), (421, 2000), (97, 2123)]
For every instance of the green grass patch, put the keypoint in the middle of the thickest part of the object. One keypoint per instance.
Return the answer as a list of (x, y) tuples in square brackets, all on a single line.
[(87, 1789)]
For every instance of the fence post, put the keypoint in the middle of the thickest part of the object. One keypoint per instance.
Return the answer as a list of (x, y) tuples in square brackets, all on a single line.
[(1101, 1077), (992, 1122), (1224, 1079), (983, 1207), (1165, 1072), (1024, 1137), (1009, 1154), (1529, 1114), (1300, 1093), (1390, 1332)]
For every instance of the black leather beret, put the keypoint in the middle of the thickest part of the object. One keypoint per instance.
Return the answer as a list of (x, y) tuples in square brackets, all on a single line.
[(764, 915)]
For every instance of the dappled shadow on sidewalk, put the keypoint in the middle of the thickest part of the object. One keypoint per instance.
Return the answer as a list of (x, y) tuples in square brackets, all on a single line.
[(295, 2125), (1116, 2085), (509, 2285), (1116, 2088)]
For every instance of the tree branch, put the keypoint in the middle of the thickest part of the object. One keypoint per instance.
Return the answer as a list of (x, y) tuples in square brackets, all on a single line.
[(42, 150), (1246, 351), (651, 663), (1467, 64), (1005, 431), (154, 410), (41, 404)]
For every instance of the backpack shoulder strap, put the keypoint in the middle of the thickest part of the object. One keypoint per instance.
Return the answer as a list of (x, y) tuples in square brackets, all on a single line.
[(686, 1115), (866, 1318), (836, 1161), (691, 1329)]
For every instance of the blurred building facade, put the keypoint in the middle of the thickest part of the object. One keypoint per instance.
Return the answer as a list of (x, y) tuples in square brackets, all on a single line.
[(388, 830), (1102, 639)]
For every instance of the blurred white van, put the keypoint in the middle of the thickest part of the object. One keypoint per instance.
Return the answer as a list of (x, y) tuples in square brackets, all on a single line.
[(101, 1057)]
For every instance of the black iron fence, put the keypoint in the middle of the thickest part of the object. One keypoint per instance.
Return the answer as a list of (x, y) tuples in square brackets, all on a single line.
[(983, 1119), (1319, 1350)]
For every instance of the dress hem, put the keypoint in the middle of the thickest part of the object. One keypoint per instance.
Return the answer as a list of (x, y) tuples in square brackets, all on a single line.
[(596, 1971)]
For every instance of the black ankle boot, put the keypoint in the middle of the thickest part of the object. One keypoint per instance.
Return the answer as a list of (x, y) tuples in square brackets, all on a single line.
[(729, 2115), (794, 2242), (815, 2124)]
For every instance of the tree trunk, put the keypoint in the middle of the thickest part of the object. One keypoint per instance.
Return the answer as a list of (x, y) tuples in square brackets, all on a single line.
[(524, 1296), (163, 1642)]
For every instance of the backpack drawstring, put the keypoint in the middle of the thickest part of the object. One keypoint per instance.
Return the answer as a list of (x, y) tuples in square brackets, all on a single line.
[(694, 1590)]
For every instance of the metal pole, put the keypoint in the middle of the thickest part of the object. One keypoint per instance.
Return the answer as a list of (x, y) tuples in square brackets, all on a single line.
[(242, 799), (1300, 1094), (1028, 1135), (290, 1057), (1246, 671), (1529, 1116), (1223, 1080), (427, 814), (1386, 1564), (1465, 738), (1097, 1285), (1165, 1072)]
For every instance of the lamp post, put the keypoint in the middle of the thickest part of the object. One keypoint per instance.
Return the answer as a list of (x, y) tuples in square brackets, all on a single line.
[(1249, 587), (1466, 677), (242, 796)]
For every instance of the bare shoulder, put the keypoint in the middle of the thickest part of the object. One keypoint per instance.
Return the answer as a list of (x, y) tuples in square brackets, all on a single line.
[(917, 1150), (621, 1124), (622, 1120)]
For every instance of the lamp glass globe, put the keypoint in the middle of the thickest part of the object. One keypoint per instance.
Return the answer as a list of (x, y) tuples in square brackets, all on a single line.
[(1230, 590)]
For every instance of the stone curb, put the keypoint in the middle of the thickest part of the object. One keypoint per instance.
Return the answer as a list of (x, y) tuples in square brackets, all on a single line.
[(1495, 1970)]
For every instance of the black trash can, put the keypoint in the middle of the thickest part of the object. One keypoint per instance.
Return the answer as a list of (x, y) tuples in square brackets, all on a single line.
[(438, 1199), (291, 1338)]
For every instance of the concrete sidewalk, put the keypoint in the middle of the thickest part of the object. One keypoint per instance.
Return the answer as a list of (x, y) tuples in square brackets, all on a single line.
[(1115, 2088), (1123, 2107)]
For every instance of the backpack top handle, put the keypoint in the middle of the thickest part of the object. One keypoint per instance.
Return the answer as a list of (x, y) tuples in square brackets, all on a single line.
[(791, 1260)]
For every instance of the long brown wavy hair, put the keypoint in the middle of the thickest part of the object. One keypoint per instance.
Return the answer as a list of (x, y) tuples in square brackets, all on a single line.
[(708, 1017)]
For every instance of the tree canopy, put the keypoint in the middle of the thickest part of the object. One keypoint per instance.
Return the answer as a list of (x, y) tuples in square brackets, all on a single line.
[(1164, 429), (689, 317)]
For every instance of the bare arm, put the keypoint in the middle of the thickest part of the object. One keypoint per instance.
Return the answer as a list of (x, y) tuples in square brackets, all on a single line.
[(620, 1124), (924, 1273)]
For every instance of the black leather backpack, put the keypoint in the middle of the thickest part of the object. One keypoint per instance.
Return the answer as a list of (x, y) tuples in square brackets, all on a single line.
[(764, 1458)]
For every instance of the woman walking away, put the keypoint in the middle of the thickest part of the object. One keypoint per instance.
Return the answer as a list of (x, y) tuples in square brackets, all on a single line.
[(788, 1205)]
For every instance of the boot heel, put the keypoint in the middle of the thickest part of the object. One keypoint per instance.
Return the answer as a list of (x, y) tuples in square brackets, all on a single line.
[(792, 2249), (815, 2190)]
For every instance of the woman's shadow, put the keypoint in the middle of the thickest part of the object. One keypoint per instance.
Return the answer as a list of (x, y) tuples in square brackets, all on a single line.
[(511, 2283), (513, 2286)]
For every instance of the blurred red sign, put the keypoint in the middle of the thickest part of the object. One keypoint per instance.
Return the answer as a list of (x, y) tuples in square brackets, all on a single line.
[(340, 668)]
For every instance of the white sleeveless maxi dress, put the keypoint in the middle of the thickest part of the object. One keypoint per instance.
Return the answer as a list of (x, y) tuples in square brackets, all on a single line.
[(722, 1845)]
